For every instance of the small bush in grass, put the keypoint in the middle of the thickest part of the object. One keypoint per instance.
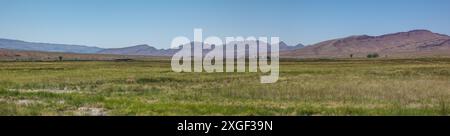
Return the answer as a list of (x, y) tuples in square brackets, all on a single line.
[(373, 55)]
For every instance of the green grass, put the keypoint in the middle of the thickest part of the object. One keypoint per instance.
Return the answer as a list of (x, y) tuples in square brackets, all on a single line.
[(149, 87)]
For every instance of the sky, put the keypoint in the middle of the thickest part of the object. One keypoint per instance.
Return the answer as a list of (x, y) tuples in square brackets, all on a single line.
[(122, 23)]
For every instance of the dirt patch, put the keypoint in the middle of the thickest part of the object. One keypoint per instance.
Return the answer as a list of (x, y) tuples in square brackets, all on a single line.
[(61, 102), (26, 102), (91, 111), (42, 90)]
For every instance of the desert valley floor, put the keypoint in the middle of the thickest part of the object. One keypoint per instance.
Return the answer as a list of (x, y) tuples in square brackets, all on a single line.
[(149, 87)]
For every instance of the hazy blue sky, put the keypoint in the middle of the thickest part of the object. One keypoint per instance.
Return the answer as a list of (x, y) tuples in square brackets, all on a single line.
[(120, 23)]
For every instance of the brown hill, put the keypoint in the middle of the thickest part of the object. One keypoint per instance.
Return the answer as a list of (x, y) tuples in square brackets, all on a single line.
[(416, 43)]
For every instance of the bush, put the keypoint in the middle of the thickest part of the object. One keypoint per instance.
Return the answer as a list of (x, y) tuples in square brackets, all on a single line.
[(373, 55)]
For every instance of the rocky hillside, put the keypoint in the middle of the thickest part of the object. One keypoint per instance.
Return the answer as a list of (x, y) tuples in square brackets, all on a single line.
[(416, 43)]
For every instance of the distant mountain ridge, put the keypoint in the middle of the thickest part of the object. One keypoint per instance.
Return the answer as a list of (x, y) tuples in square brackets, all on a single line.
[(143, 49), (147, 50), (415, 43), (285, 47), (47, 47), (21, 55)]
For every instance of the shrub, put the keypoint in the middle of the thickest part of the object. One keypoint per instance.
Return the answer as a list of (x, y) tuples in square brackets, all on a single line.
[(373, 55)]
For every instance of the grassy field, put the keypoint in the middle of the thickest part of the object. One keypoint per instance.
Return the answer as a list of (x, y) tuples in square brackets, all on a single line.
[(306, 87)]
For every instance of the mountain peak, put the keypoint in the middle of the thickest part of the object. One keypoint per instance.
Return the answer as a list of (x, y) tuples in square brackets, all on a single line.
[(420, 31), (283, 43), (358, 37), (284, 47), (142, 46)]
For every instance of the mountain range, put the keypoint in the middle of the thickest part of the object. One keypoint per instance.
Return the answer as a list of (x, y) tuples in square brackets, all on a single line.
[(415, 43), (143, 49), (47, 47), (152, 51)]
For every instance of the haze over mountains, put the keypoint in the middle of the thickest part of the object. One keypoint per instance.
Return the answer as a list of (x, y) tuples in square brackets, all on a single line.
[(415, 43)]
